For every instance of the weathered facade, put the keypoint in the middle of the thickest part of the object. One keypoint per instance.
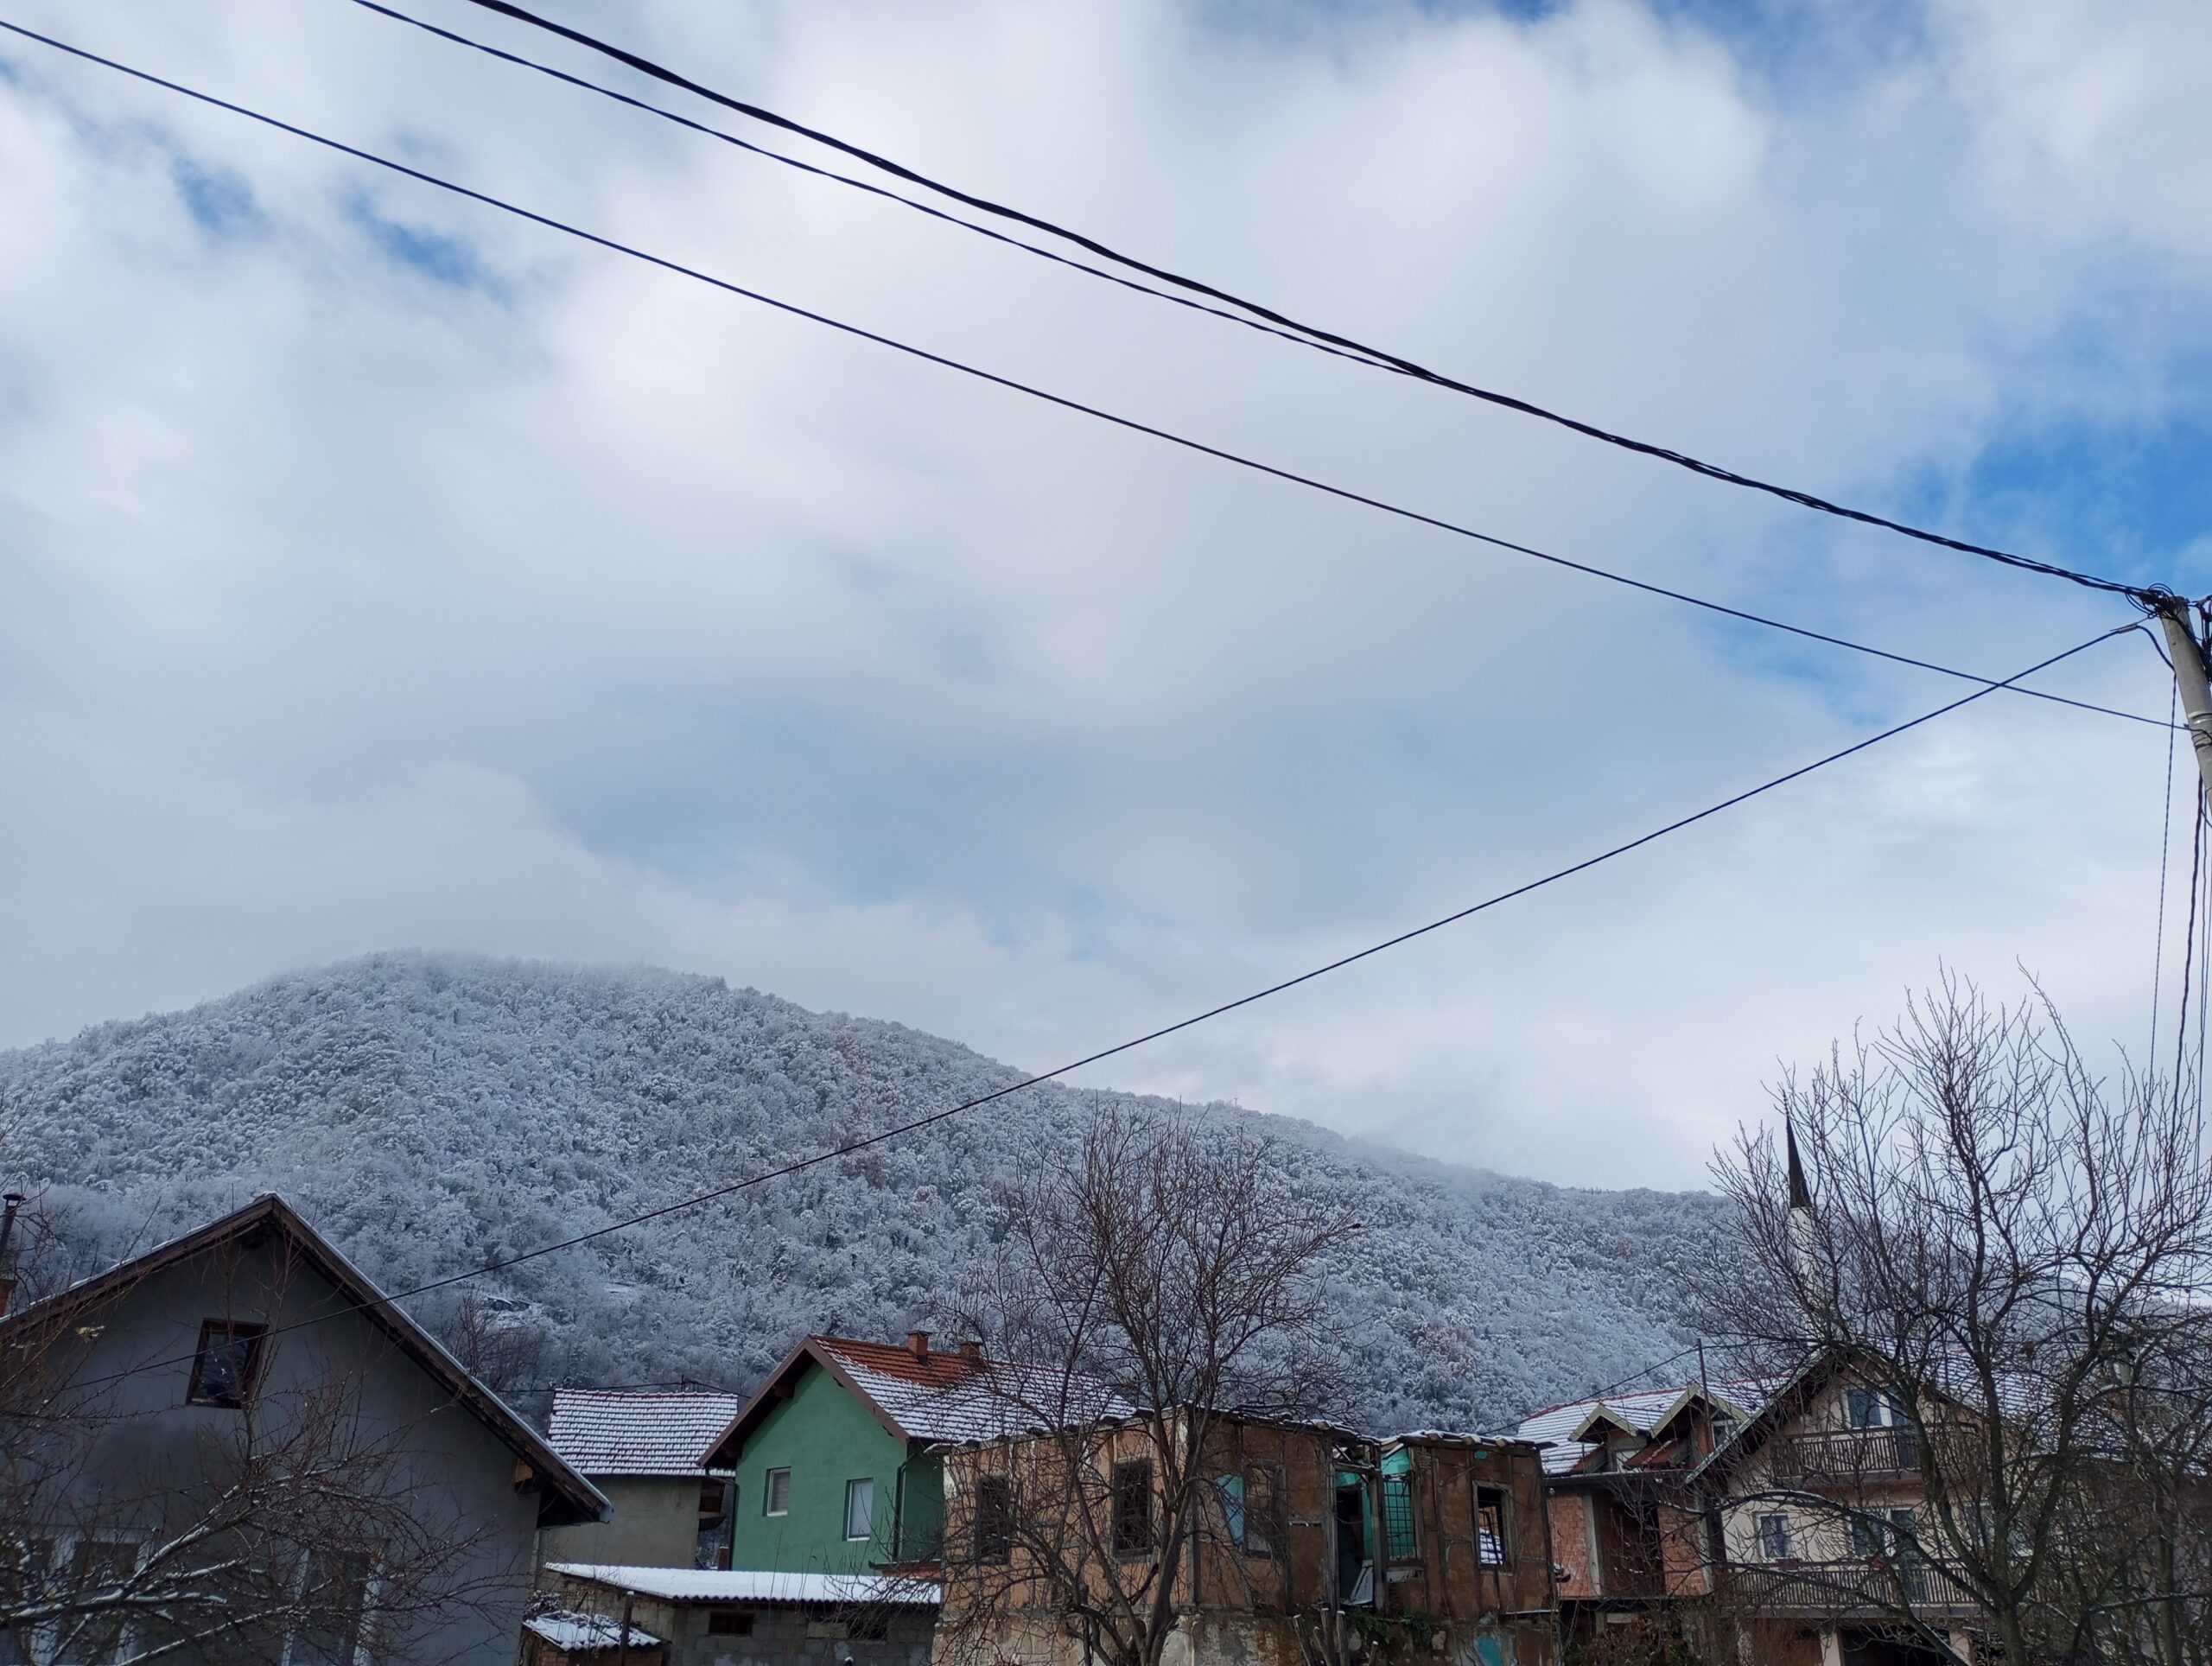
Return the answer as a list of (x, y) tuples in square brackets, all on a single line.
[(1304, 1544), (678, 1617)]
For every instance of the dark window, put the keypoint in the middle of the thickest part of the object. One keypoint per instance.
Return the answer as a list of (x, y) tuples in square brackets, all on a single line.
[(334, 1592), (993, 1518), (869, 1625), (1491, 1537), (1133, 1526), (98, 1565), (729, 1623), (717, 1515), (1774, 1537), (229, 1360)]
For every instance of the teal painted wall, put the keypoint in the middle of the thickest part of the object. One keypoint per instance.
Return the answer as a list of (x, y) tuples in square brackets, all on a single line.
[(826, 1438)]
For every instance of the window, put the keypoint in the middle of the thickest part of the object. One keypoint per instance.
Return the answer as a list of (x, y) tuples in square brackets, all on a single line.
[(1264, 1526), (1774, 1537), (1401, 1534), (1491, 1539), (1870, 1409), (97, 1563), (334, 1592), (1723, 1426), (1133, 1527), (993, 1518), (729, 1623), (860, 1509), (224, 1369), (776, 1497), (717, 1517)]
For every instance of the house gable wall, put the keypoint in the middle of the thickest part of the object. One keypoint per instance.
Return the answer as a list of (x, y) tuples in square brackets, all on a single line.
[(825, 1437)]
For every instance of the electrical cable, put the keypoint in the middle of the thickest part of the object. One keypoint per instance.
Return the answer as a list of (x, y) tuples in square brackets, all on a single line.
[(2189, 940), (2165, 839), (1202, 449), (933, 1118), (1344, 345)]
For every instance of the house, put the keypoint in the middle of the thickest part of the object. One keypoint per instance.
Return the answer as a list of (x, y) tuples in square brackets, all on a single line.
[(686, 1617), (835, 1458), (1628, 1528), (1299, 1542), (1782, 1520), (237, 1435), (1821, 1530), (643, 1452)]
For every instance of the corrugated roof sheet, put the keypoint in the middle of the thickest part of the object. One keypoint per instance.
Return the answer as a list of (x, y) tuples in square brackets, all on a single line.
[(604, 1432), (744, 1585), (582, 1634), (949, 1397)]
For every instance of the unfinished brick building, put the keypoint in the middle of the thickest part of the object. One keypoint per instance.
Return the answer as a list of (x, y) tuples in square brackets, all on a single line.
[(1245, 1540)]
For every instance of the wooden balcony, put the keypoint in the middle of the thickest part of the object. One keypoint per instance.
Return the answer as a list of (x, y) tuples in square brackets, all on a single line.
[(1844, 1457), (1845, 1590)]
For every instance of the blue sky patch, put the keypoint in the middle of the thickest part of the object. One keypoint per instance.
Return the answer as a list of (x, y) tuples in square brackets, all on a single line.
[(219, 199), (439, 256)]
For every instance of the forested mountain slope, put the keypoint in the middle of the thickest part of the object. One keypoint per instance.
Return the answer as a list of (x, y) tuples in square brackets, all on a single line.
[(432, 1113)]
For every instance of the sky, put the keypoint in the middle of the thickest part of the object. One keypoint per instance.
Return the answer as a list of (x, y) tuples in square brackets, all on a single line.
[(382, 570)]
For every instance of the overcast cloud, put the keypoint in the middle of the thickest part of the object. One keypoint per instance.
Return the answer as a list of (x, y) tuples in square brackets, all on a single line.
[(382, 572)]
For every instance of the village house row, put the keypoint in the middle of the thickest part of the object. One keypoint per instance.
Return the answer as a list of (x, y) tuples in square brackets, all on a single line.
[(888, 1503)]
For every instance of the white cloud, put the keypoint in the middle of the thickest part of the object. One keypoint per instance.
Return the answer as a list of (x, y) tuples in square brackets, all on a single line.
[(582, 611)]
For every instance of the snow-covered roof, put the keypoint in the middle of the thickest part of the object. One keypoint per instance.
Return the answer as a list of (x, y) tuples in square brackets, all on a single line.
[(745, 1584), (937, 1396), (604, 1432), (949, 1398), (1556, 1428), (581, 1633)]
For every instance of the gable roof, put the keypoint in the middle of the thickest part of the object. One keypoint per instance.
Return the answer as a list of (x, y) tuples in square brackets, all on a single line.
[(567, 1497), (1570, 1432), (932, 1397), (610, 1432)]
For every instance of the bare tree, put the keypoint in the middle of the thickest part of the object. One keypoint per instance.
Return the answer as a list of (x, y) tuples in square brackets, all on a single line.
[(2009, 1257), (1158, 1285)]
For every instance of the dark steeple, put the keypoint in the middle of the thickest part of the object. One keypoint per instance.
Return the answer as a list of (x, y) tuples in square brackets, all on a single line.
[(1801, 1195)]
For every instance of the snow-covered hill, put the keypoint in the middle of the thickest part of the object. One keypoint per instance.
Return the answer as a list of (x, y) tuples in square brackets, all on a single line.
[(432, 1113)]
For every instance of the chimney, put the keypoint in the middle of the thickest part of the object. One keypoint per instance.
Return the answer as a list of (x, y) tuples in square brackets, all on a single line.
[(918, 1344), (971, 1349)]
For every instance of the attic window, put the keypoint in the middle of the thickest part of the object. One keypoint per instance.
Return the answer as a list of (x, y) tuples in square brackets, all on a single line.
[(776, 1497), (227, 1363), (1489, 1519)]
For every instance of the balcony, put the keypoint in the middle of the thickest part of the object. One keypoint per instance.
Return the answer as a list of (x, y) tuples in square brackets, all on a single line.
[(1845, 1457), (1845, 1590)]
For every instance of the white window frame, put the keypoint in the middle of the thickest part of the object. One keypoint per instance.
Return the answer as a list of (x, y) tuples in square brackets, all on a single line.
[(867, 1481), (1782, 1537), (768, 1491)]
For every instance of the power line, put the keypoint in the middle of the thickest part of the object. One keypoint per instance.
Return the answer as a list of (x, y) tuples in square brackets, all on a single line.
[(1132, 424), (1346, 345), (916, 1124)]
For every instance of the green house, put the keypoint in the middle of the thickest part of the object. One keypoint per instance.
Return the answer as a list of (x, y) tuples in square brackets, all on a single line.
[(833, 1458)]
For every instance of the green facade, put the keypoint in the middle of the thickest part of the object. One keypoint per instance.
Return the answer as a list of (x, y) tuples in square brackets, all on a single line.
[(826, 1438)]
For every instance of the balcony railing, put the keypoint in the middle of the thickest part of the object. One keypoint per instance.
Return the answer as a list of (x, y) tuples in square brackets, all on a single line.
[(1875, 1585), (1840, 1457)]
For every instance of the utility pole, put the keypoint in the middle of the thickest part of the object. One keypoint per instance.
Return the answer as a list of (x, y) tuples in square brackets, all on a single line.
[(2188, 655)]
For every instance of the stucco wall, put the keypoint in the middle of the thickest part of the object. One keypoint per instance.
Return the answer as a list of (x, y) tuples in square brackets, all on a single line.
[(656, 1524), (825, 1437), (151, 1452)]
